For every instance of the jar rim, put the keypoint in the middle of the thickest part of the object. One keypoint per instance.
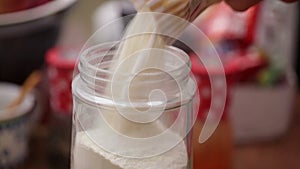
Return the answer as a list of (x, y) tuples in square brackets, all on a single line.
[(180, 88), (111, 45)]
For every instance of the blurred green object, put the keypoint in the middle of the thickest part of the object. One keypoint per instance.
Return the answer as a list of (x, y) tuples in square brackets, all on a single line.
[(271, 76)]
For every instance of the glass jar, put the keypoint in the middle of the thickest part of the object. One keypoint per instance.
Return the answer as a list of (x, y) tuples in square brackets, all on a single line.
[(133, 120)]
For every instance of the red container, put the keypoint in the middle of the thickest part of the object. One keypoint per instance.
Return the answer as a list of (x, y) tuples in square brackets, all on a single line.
[(61, 63), (7, 6), (242, 66)]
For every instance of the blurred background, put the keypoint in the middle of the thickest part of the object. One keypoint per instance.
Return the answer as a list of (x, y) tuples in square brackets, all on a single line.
[(259, 49)]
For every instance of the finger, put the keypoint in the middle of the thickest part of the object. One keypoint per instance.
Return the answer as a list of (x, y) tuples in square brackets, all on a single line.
[(242, 5), (289, 1)]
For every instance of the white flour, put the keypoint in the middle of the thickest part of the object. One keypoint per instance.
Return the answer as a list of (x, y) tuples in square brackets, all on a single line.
[(88, 155)]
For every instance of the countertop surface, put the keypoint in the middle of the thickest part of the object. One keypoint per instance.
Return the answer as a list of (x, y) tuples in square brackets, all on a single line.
[(282, 153)]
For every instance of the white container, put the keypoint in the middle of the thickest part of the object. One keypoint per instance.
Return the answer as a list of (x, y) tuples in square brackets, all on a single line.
[(261, 113), (14, 126)]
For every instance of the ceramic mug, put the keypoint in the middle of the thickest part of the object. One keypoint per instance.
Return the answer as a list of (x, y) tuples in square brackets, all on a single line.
[(15, 126)]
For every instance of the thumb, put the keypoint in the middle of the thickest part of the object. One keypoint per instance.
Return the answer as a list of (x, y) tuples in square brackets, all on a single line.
[(241, 5)]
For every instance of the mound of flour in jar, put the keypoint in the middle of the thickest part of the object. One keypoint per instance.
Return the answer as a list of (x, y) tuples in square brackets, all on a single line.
[(91, 156)]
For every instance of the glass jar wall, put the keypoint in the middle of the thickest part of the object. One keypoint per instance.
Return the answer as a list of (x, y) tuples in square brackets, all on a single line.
[(133, 120)]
